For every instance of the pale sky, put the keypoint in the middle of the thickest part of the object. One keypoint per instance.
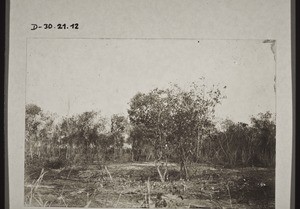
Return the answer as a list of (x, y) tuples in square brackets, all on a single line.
[(104, 74)]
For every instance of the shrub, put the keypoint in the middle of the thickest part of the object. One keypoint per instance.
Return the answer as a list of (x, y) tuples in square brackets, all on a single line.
[(54, 163)]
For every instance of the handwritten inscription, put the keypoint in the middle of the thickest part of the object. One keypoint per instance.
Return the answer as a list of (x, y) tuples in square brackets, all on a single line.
[(60, 26)]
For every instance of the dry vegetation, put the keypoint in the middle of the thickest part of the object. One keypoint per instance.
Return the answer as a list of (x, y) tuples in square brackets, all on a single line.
[(137, 185), (175, 155)]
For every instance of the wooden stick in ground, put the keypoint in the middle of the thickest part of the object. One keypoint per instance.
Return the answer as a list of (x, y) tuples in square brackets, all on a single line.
[(229, 195), (166, 170), (159, 172), (148, 190), (108, 173), (118, 200)]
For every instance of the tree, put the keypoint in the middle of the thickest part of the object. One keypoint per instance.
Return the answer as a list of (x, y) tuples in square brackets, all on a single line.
[(149, 116), (32, 110), (174, 120), (141, 138), (264, 136), (118, 128), (39, 128), (246, 144), (235, 142), (149, 113), (83, 131), (191, 116)]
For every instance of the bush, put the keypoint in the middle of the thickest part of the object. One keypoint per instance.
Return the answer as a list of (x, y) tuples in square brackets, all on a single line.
[(33, 166), (54, 163)]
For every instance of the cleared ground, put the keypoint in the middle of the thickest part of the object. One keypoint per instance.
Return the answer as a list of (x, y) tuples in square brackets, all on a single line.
[(137, 185)]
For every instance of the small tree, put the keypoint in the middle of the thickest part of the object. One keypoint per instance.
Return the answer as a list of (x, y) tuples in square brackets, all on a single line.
[(174, 121), (81, 133), (264, 137), (243, 144), (118, 128), (235, 143), (191, 116), (39, 131), (148, 115)]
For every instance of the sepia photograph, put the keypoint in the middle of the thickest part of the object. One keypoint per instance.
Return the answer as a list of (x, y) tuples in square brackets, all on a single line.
[(150, 123)]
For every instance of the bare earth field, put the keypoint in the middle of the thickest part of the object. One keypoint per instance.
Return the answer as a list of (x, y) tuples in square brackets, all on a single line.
[(137, 185)]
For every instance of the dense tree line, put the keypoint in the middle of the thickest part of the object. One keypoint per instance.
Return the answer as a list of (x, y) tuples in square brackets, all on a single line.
[(179, 126), (241, 144), (164, 125), (79, 139)]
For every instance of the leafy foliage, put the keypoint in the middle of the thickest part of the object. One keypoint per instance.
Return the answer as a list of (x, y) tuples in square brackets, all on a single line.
[(173, 120), (164, 125)]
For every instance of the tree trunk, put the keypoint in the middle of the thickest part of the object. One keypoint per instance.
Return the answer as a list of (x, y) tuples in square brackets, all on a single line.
[(183, 170), (162, 176), (30, 150), (198, 143), (186, 172)]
